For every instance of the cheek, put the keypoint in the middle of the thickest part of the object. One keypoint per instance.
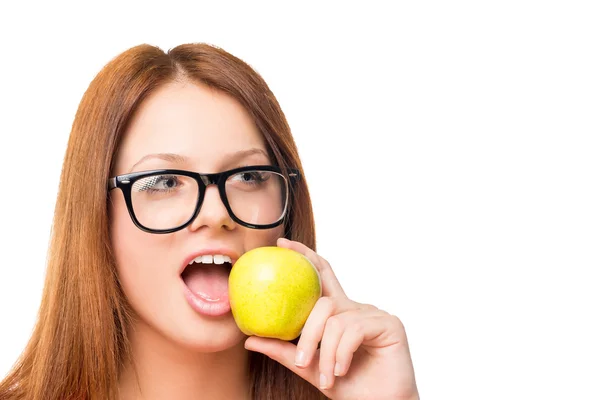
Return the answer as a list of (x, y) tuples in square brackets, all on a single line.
[(138, 255), (258, 238)]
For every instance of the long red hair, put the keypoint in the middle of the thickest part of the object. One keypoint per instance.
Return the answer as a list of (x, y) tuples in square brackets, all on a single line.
[(79, 342)]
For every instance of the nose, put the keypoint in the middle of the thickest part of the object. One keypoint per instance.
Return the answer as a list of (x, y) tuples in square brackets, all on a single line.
[(212, 213)]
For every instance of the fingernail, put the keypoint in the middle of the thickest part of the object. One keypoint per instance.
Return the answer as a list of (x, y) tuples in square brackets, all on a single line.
[(337, 370), (323, 381), (300, 358)]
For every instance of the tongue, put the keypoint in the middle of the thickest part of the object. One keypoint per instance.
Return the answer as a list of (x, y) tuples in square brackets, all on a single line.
[(209, 281)]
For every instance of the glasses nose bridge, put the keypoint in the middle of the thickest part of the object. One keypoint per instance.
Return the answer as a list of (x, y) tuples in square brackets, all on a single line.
[(210, 179)]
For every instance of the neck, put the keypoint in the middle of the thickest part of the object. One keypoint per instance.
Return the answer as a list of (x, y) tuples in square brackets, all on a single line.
[(162, 370)]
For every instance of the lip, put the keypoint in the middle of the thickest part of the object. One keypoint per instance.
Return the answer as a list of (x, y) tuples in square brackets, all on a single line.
[(205, 307)]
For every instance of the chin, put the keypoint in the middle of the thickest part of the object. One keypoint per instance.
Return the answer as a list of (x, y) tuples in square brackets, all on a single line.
[(210, 336), (189, 332)]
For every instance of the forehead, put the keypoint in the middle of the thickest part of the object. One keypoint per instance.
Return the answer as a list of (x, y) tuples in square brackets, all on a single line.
[(192, 120)]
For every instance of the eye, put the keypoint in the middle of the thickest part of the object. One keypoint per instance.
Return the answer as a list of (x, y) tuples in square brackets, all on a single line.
[(167, 182), (157, 183), (251, 177)]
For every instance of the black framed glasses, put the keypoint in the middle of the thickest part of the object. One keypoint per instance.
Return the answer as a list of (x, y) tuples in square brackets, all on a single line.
[(167, 200)]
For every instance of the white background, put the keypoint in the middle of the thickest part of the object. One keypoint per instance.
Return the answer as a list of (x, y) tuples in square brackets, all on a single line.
[(452, 150)]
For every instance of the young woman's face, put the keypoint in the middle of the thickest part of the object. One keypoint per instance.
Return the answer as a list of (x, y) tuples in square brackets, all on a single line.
[(208, 132)]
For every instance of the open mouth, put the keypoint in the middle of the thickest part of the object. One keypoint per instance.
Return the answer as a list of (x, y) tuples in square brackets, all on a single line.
[(207, 277)]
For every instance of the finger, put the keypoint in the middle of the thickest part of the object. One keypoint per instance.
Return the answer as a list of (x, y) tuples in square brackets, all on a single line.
[(367, 327), (284, 353), (313, 329), (350, 341), (334, 329), (331, 285)]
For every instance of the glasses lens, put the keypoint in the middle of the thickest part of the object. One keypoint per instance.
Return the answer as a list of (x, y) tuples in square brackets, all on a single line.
[(257, 197), (164, 201)]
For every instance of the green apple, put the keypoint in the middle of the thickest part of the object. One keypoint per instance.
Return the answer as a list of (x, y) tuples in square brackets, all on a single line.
[(272, 291)]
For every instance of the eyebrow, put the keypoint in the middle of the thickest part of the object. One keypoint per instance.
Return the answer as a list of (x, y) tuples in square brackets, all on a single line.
[(178, 158)]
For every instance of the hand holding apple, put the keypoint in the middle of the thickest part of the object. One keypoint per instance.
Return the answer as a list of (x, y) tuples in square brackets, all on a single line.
[(346, 349)]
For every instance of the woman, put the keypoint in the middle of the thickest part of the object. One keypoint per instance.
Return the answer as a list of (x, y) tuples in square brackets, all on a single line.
[(135, 299)]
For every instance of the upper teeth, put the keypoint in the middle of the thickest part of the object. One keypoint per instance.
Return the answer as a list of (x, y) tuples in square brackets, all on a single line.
[(210, 259)]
